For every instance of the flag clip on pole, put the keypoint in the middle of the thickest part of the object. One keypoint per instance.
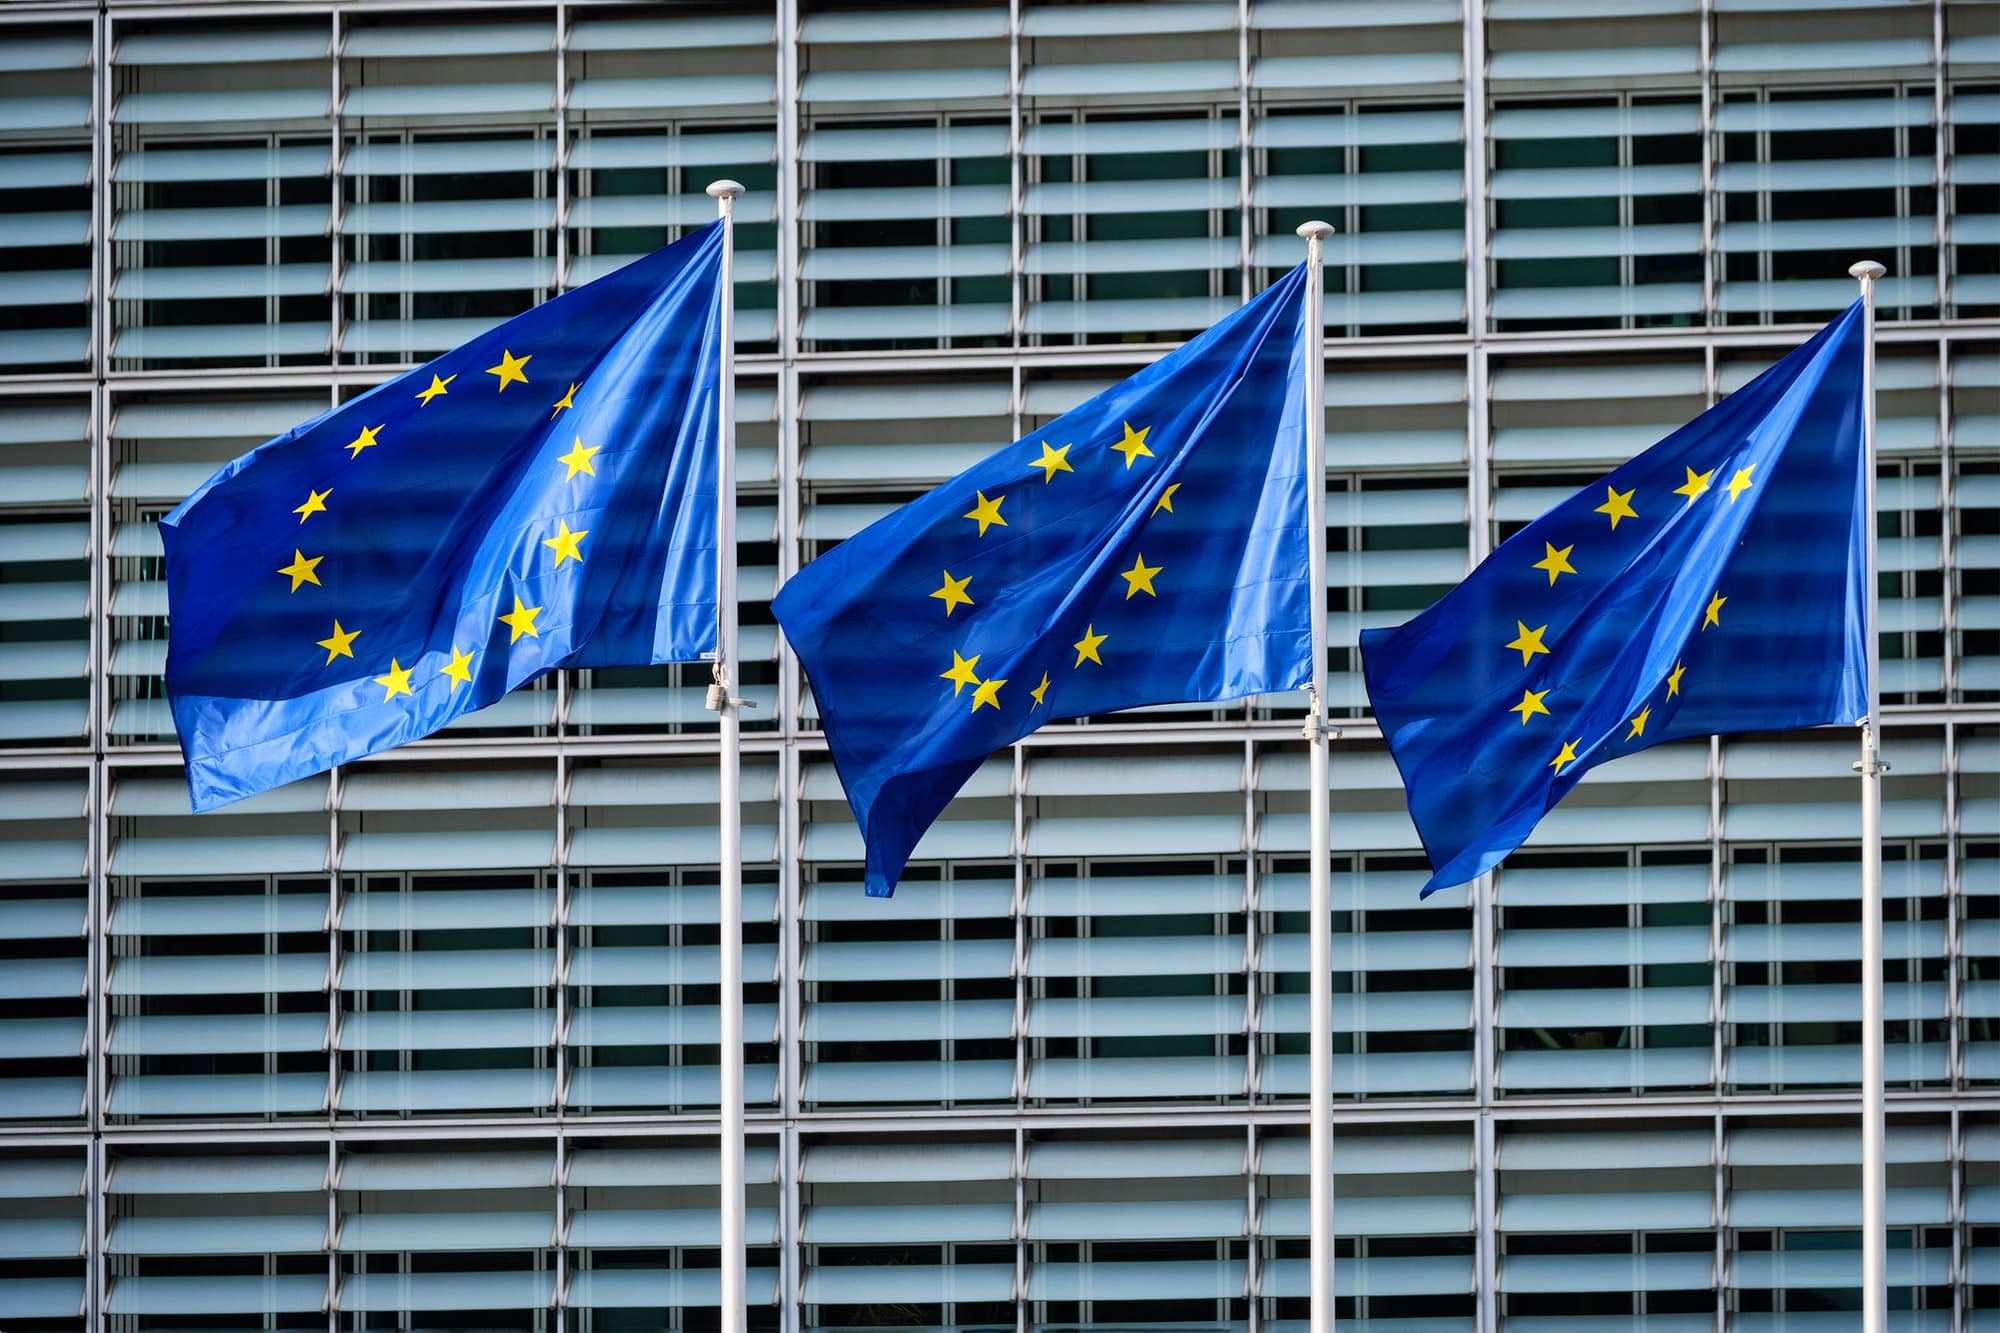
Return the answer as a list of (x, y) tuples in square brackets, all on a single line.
[(1321, 896), (726, 709), (1874, 1220)]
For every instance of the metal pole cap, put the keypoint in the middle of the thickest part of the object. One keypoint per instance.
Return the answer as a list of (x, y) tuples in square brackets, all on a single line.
[(1866, 270), (1315, 230), (724, 189)]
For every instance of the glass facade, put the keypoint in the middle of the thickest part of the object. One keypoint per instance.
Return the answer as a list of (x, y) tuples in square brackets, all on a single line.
[(430, 1043)]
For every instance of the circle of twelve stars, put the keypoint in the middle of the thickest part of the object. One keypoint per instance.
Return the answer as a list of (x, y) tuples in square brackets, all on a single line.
[(986, 513), (566, 544)]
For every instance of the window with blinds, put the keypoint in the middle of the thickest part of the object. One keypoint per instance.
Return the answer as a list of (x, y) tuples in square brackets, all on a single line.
[(659, 106), (906, 193), (1973, 572), (45, 200), (45, 953), (911, 999), (1402, 972), (1787, 1180), (1791, 934), (45, 545), (1604, 1225), (1838, 150), (221, 210), (44, 1222)]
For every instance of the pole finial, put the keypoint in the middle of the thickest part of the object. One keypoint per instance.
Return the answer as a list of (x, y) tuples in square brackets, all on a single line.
[(1866, 270), (724, 189), (1315, 230)]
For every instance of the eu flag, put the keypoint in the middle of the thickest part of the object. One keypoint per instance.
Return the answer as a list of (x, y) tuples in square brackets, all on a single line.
[(1148, 547), (541, 497), (1715, 583)]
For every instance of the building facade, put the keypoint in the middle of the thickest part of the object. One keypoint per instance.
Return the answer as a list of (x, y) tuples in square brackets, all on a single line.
[(431, 1043)]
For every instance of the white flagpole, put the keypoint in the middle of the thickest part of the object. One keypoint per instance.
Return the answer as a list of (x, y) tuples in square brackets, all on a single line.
[(1320, 898), (730, 743), (1874, 1219)]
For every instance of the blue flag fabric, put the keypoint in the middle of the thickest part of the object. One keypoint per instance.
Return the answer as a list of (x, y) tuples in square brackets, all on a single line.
[(1148, 547), (541, 497), (1716, 583)]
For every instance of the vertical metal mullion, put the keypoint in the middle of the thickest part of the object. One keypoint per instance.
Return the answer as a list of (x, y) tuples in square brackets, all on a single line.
[(790, 286), (560, 1301), (1244, 213), (1955, 1158), (559, 1054), (791, 1253), (1252, 934), (1709, 260), (336, 211), (1954, 942), (1017, 189), (1021, 1308), (1477, 151), (1940, 158), (1018, 910), (562, 147), (1719, 1210), (1718, 909), (1947, 539), (332, 1238), (335, 906), (1253, 1226), (791, 882)]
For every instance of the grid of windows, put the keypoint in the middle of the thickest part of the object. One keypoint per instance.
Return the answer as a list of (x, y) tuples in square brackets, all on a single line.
[(431, 1042)]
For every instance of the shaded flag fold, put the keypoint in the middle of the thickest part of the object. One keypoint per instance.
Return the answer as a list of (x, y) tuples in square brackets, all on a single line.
[(1715, 583), (1148, 547), (542, 496)]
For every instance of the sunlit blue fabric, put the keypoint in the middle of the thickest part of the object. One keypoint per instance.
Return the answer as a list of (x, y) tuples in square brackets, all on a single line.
[(1180, 560), (1757, 502), (427, 514)]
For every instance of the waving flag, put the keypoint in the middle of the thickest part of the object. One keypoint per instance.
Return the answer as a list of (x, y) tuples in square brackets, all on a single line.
[(1713, 584), (1148, 547), (541, 497)]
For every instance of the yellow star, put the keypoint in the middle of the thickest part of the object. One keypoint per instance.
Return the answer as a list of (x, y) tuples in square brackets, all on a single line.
[(522, 620), (1086, 647), (987, 512), (1134, 444), (301, 569), (567, 400), (1566, 757), (437, 387), (1555, 562), (315, 504), (459, 668), (341, 644), (1674, 680), (1040, 691), (1053, 461), (1139, 578), (960, 674), (1697, 482), (1167, 499), (1713, 616), (566, 544), (578, 459), (1618, 504), (509, 369), (1529, 642), (1639, 723), (1740, 482), (365, 440), (1531, 704), (953, 593), (396, 682), (987, 693)]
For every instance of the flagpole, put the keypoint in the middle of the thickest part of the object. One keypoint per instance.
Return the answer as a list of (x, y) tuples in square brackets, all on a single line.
[(720, 700), (1874, 1220), (1320, 898)]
